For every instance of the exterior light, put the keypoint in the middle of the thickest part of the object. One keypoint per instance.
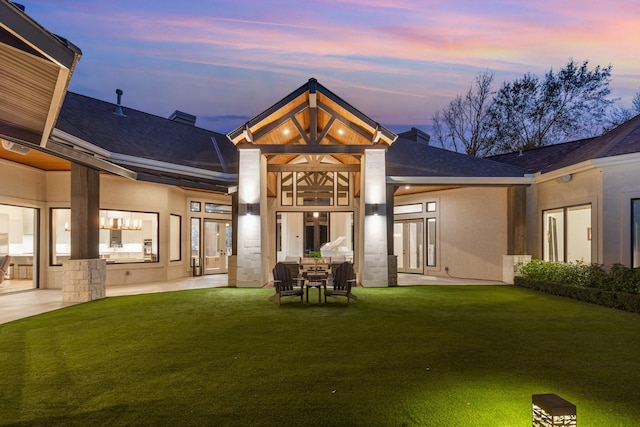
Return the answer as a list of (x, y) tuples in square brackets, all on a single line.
[(316, 214), (375, 209), (550, 410), (15, 147)]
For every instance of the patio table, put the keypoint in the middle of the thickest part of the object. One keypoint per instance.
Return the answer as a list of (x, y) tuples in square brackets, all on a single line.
[(316, 280)]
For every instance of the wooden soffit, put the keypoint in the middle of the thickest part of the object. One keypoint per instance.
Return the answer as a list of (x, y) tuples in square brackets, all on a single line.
[(34, 76), (310, 120)]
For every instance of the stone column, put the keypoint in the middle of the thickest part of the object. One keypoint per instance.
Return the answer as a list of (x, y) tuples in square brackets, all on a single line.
[(374, 267), (84, 280), (249, 256)]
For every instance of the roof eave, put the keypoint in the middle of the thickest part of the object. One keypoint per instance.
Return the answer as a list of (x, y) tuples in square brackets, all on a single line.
[(461, 180)]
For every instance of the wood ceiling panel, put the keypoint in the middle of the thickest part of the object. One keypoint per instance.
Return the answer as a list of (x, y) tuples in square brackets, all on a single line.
[(26, 83), (36, 159)]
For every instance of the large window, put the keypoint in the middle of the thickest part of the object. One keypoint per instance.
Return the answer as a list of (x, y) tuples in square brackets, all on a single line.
[(125, 236), (314, 188), (635, 233), (567, 234)]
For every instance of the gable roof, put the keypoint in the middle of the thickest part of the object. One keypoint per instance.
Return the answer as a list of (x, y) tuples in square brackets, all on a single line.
[(311, 119), (624, 139), (159, 149)]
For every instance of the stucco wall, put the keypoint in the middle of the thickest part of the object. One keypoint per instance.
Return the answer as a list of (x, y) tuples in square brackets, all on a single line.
[(621, 184), (560, 191), (471, 230)]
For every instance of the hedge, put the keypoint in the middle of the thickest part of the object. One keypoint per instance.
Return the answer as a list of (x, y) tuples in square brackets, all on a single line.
[(603, 297)]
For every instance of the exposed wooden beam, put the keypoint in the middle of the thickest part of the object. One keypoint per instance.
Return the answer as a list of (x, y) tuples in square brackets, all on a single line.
[(301, 131), (326, 129), (296, 167), (273, 125), (347, 123), (313, 149)]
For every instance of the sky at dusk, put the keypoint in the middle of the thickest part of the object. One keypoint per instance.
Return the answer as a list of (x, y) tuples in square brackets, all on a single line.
[(398, 61)]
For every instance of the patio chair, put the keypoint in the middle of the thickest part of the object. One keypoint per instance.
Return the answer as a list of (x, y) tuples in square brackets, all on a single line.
[(4, 267), (343, 281), (285, 285)]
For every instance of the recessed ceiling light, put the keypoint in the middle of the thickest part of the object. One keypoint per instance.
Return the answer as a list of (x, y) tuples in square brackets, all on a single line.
[(286, 131), (341, 132)]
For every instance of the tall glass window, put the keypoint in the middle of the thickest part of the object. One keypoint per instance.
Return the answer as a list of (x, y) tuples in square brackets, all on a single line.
[(635, 233), (431, 242), (567, 234), (125, 236), (175, 231)]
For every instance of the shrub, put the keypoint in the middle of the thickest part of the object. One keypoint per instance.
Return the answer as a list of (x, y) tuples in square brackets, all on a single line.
[(617, 288), (619, 278)]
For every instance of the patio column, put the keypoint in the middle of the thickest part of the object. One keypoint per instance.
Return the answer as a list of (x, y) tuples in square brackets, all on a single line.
[(251, 210), (84, 275), (374, 271)]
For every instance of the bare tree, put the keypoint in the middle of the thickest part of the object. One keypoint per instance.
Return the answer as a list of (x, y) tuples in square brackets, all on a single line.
[(635, 104), (532, 112), (462, 124)]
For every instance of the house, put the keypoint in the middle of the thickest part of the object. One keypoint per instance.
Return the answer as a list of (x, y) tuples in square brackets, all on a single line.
[(96, 194)]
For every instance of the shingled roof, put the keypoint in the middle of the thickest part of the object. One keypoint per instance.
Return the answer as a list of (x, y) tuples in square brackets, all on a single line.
[(149, 137), (412, 156), (624, 139)]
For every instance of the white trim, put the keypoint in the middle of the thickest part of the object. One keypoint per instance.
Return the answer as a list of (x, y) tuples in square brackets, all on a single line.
[(125, 159), (462, 180), (621, 159), (79, 143)]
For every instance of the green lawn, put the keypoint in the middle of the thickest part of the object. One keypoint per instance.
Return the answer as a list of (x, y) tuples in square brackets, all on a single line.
[(411, 356)]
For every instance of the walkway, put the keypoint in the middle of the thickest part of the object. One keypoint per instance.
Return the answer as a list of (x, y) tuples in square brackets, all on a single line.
[(29, 303)]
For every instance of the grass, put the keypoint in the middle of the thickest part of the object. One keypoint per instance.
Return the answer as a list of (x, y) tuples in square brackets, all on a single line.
[(410, 356)]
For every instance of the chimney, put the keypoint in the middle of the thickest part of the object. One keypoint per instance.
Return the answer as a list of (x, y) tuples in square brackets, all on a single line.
[(118, 111), (182, 117), (415, 135)]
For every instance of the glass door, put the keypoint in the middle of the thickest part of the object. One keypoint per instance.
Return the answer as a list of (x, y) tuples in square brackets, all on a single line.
[(408, 246), (19, 248), (216, 246)]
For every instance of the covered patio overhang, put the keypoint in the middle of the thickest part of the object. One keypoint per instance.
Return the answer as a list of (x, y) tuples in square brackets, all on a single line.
[(310, 131)]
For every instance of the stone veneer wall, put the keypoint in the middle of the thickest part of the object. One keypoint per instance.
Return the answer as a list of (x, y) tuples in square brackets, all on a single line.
[(84, 280)]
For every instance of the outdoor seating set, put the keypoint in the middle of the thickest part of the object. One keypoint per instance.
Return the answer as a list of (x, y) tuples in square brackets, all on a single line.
[(317, 275)]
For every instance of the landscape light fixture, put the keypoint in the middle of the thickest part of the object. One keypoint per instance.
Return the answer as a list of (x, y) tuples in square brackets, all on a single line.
[(550, 410)]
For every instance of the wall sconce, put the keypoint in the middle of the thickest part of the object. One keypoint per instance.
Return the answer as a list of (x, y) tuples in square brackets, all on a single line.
[(564, 178), (375, 209), (550, 410), (249, 209)]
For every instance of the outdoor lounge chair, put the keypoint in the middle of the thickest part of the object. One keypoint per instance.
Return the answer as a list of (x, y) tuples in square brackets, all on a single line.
[(343, 281), (4, 267), (285, 285)]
